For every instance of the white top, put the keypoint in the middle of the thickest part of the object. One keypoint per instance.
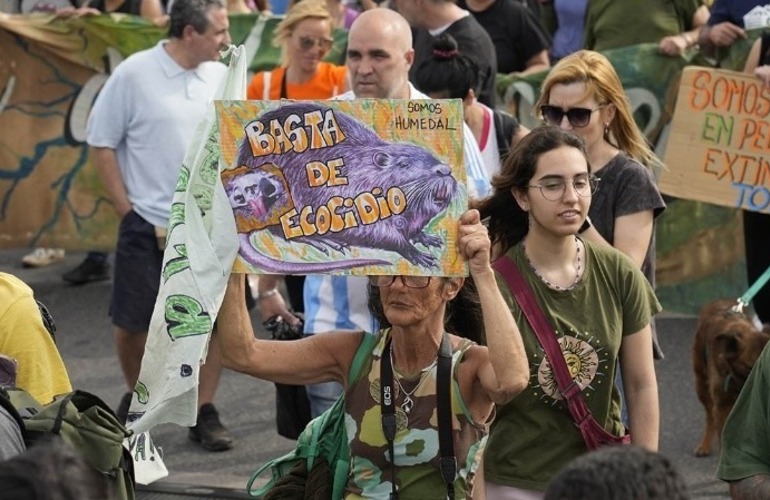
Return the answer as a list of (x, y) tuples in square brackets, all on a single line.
[(490, 153), (147, 112)]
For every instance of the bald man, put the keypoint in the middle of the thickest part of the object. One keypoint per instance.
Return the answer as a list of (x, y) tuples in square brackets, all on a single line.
[(379, 57)]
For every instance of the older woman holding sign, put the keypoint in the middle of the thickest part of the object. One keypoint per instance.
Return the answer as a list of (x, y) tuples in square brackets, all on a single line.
[(404, 361)]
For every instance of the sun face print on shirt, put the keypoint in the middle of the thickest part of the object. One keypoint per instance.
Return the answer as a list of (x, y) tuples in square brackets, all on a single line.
[(588, 367)]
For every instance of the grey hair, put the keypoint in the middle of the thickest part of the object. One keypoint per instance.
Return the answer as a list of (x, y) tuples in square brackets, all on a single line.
[(191, 12)]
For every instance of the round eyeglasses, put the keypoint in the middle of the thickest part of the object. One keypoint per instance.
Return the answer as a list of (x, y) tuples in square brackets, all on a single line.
[(553, 188), (407, 281), (577, 117)]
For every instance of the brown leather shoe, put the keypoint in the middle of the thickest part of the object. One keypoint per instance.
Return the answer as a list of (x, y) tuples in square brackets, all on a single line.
[(209, 431)]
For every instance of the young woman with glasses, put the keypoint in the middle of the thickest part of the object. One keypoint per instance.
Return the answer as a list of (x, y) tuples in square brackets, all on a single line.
[(598, 304), (417, 308), (583, 94), (305, 37)]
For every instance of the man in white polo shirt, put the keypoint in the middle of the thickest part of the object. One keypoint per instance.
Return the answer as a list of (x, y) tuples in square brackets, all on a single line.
[(139, 130)]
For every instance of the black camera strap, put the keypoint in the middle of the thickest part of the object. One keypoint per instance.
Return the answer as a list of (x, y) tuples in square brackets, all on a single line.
[(448, 461)]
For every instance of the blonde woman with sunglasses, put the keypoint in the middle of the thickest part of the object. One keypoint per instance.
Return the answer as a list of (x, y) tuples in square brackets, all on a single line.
[(305, 37), (583, 94)]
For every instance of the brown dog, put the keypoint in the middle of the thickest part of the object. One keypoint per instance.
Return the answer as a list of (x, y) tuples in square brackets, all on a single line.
[(727, 344)]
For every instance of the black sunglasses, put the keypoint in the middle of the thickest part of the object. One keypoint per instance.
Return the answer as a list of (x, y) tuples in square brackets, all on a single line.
[(577, 117), (408, 281)]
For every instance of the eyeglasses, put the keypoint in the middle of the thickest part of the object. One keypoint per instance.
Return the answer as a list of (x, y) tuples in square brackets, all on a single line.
[(308, 42), (553, 188), (408, 281), (577, 117)]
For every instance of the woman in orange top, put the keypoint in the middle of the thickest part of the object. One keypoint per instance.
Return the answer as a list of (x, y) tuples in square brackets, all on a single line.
[(305, 36)]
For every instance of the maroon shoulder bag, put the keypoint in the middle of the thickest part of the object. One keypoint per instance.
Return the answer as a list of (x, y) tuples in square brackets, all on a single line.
[(593, 433)]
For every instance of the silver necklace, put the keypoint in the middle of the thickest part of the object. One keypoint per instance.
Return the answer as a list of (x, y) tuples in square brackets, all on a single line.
[(578, 269), (408, 403)]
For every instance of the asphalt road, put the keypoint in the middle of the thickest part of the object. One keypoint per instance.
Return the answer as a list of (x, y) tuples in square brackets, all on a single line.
[(246, 405)]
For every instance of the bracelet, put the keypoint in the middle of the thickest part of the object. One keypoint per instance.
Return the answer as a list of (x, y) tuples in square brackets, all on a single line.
[(266, 294)]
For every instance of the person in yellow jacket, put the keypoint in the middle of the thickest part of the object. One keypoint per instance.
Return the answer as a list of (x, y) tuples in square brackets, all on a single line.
[(25, 339)]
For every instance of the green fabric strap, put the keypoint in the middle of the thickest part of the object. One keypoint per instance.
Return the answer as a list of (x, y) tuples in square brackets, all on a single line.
[(756, 287), (324, 437)]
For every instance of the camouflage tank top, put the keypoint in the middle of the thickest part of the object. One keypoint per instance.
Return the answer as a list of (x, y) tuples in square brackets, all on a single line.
[(416, 445)]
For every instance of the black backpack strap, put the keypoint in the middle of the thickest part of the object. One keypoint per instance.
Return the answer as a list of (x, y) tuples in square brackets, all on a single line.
[(48, 321)]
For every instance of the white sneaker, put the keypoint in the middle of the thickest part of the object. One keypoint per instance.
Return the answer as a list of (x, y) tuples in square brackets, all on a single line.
[(41, 257)]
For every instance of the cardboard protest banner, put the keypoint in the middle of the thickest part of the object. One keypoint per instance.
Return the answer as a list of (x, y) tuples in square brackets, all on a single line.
[(719, 148), (345, 187)]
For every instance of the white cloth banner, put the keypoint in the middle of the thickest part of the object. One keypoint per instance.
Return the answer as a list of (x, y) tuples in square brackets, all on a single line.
[(200, 250)]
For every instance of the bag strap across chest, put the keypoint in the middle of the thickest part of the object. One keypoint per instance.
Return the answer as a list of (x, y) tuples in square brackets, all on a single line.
[(568, 388)]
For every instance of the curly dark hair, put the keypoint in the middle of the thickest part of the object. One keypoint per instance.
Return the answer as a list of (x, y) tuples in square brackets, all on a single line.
[(52, 469), (620, 471)]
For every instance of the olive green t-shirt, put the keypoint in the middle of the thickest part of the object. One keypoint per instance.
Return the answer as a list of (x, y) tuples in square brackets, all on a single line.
[(533, 436), (746, 436), (612, 24)]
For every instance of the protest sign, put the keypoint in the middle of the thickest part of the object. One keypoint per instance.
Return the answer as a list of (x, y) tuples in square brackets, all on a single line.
[(345, 187), (719, 148), (51, 70)]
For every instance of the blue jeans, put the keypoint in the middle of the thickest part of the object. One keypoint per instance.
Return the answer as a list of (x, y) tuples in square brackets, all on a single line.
[(322, 396)]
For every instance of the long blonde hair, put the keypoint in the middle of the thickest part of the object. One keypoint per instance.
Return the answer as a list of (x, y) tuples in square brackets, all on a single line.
[(306, 9), (603, 82)]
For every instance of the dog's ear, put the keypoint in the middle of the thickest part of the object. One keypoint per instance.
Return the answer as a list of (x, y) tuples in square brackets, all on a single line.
[(727, 345)]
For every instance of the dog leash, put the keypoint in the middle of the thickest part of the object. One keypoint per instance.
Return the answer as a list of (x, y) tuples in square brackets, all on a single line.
[(746, 298)]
